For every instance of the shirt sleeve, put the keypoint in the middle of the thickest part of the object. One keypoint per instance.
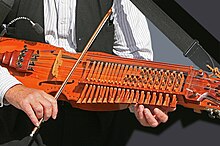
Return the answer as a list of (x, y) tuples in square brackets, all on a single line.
[(132, 35), (6, 82)]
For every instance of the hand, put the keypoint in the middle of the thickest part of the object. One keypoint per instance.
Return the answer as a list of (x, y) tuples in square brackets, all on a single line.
[(35, 103), (150, 116)]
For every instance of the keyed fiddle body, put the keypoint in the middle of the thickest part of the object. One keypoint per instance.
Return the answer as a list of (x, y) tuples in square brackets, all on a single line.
[(104, 82)]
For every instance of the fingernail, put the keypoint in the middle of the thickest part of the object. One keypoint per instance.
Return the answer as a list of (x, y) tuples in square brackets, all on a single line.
[(154, 124), (37, 124), (156, 110), (54, 117)]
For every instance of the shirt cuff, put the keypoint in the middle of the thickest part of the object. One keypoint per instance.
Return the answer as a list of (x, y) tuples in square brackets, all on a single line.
[(6, 82)]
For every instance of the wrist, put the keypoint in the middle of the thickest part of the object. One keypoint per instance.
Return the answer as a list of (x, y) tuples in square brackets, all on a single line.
[(11, 93)]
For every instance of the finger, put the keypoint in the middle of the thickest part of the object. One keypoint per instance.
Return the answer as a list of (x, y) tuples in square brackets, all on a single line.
[(150, 119), (47, 108), (37, 108), (30, 113), (161, 116), (139, 112), (53, 103), (141, 115)]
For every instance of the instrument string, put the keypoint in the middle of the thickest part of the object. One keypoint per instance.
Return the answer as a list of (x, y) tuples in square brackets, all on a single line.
[(63, 71)]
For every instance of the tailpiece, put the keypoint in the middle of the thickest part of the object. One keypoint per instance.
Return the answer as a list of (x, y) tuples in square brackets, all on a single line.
[(104, 82)]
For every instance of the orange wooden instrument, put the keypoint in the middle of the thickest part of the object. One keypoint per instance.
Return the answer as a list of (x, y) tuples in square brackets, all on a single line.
[(104, 82)]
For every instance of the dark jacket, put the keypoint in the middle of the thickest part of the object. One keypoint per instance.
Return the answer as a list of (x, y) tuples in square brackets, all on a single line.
[(89, 14)]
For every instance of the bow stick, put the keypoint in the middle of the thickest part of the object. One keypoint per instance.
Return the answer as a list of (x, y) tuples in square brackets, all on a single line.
[(91, 40)]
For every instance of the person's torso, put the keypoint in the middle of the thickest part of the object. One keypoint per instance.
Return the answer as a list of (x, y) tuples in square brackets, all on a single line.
[(88, 15)]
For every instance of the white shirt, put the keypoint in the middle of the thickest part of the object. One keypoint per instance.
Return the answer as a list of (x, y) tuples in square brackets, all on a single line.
[(6, 82), (131, 28), (132, 36)]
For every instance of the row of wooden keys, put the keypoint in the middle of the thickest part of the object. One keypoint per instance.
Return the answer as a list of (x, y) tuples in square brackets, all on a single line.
[(95, 94), (128, 84), (133, 76)]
